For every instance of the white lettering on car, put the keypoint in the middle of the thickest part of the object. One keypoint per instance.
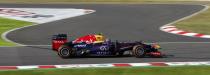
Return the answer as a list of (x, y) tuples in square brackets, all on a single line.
[(104, 48), (55, 41), (103, 53), (80, 45)]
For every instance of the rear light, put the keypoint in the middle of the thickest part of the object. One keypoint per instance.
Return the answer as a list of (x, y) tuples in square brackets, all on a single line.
[(58, 40)]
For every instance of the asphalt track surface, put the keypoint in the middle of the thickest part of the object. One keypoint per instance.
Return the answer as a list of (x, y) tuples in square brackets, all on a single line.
[(123, 22)]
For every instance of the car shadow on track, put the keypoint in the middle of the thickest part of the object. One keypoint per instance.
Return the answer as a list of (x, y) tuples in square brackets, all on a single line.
[(48, 48)]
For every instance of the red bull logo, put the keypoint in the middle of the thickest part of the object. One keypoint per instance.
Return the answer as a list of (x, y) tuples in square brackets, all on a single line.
[(90, 39)]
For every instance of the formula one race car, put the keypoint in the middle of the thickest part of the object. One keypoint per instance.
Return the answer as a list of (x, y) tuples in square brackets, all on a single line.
[(97, 45)]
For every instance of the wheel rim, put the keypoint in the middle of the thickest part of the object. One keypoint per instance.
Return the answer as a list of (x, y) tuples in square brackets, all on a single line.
[(140, 51), (64, 52)]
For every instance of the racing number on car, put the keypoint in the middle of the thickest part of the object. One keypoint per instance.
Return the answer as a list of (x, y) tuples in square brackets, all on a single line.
[(104, 48)]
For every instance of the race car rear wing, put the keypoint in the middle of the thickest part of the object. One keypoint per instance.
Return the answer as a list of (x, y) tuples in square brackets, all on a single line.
[(58, 40)]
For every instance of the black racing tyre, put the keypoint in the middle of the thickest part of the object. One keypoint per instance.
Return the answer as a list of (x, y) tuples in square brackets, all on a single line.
[(138, 51), (65, 51)]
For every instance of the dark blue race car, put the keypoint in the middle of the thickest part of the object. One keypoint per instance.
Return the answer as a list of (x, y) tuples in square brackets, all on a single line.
[(90, 47)]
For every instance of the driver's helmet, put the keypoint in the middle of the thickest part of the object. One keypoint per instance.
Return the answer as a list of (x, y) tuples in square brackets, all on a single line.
[(99, 38)]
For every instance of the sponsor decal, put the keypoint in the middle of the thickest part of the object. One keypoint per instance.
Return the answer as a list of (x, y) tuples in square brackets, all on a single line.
[(80, 45), (14, 12), (104, 48), (38, 16), (55, 41), (103, 53), (41, 15), (23, 14)]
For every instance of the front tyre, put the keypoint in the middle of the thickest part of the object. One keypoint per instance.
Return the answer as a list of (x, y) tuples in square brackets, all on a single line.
[(65, 51), (138, 51)]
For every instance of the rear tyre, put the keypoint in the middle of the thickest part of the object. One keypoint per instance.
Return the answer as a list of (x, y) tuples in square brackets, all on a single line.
[(65, 51), (138, 51)]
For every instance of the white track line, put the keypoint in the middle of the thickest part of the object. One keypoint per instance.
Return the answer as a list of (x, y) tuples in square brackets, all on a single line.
[(169, 26), (206, 7), (3, 36)]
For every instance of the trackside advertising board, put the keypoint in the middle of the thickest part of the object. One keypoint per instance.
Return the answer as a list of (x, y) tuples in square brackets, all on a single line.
[(42, 15)]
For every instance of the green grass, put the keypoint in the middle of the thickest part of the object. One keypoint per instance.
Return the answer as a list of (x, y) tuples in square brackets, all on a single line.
[(8, 24), (184, 70), (199, 23)]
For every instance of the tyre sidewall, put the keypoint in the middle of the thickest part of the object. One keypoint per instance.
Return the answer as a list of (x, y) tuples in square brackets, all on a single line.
[(136, 49), (62, 49)]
